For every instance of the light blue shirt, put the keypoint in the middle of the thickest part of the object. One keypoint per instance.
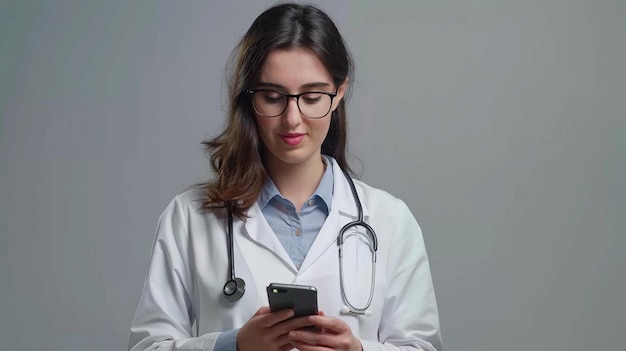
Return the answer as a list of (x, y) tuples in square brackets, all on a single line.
[(296, 232)]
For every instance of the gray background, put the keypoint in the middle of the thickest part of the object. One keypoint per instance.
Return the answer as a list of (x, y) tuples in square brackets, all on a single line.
[(500, 123)]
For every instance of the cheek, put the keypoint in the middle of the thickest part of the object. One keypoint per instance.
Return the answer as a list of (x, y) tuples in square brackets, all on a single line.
[(264, 125), (321, 127)]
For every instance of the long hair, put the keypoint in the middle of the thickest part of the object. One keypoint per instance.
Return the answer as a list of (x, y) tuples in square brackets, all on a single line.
[(236, 153)]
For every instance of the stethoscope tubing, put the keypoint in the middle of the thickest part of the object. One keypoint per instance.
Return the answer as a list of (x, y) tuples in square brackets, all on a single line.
[(235, 287)]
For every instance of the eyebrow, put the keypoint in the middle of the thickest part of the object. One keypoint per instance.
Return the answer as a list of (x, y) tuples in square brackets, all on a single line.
[(305, 86)]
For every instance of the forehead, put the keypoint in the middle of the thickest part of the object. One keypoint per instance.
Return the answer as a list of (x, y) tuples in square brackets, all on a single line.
[(293, 68)]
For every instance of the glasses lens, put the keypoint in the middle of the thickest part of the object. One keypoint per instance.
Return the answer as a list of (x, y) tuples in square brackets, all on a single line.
[(269, 103), (314, 105)]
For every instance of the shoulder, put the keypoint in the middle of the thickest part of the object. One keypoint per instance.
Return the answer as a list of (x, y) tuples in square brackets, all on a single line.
[(185, 221), (373, 197), (377, 204), (192, 200), (390, 216), (188, 207), (382, 205)]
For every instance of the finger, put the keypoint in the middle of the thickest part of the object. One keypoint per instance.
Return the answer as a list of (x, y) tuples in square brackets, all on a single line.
[(270, 319), (311, 339), (283, 342), (294, 324), (302, 346), (305, 341), (321, 313), (261, 311), (329, 324)]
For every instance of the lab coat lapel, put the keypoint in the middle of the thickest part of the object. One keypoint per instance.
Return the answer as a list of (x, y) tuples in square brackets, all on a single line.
[(259, 231), (343, 211)]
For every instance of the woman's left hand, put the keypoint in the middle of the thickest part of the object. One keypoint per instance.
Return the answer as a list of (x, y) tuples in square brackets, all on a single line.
[(333, 334)]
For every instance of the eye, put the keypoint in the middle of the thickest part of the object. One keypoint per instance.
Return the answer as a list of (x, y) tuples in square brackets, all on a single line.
[(271, 97), (312, 98)]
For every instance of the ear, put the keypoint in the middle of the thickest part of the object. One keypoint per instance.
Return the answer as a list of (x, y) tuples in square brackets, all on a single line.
[(341, 91)]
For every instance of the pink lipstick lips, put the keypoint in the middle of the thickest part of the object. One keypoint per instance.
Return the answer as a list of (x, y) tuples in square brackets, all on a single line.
[(292, 139)]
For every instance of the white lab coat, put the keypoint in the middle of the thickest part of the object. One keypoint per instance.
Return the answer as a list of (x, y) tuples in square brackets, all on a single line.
[(182, 306)]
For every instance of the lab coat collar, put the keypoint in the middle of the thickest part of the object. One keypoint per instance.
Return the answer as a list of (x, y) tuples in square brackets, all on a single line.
[(343, 211)]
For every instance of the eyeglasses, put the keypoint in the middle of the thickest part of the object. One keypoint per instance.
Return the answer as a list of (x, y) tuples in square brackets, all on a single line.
[(272, 103)]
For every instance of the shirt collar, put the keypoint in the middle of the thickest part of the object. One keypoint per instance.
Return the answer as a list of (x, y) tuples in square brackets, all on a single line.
[(324, 190)]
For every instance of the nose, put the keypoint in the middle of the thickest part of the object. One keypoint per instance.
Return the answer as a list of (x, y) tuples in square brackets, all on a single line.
[(292, 115)]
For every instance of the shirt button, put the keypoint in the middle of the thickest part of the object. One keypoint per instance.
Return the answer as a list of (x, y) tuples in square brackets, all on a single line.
[(310, 202), (298, 232)]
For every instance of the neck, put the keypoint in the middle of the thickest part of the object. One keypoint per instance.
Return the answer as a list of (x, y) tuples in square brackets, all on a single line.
[(298, 182)]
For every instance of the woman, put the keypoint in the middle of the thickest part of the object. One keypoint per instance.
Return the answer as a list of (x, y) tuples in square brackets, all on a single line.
[(274, 211)]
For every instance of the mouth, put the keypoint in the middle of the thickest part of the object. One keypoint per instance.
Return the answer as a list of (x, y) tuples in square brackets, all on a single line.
[(292, 139)]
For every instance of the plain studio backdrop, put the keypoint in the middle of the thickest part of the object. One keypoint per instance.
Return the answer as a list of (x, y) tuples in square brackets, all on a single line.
[(500, 122)]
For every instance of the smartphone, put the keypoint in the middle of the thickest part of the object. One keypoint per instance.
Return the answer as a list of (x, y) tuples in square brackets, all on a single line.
[(302, 299)]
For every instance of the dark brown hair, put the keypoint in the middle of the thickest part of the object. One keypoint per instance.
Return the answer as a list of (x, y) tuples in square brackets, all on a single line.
[(236, 153)]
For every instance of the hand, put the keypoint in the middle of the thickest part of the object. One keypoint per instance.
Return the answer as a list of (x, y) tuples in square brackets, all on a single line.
[(334, 334), (267, 331)]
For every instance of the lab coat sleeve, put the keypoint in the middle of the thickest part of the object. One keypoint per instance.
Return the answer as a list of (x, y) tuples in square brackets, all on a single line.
[(410, 319), (164, 316)]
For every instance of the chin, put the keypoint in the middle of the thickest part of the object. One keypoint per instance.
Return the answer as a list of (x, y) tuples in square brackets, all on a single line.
[(294, 160), (294, 157)]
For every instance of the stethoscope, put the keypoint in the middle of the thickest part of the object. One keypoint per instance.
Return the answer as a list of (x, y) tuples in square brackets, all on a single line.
[(235, 287)]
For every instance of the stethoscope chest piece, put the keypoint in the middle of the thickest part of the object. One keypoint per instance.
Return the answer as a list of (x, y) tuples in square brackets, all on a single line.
[(234, 289)]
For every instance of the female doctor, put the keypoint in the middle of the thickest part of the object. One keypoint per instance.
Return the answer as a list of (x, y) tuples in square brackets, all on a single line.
[(281, 209)]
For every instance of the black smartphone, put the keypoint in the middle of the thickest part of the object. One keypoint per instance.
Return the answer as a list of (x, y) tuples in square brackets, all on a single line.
[(302, 299)]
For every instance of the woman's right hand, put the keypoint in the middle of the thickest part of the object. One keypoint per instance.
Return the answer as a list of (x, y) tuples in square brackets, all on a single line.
[(267, 331)]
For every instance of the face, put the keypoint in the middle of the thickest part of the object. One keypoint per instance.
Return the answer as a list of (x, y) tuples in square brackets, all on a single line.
[(290, 138)]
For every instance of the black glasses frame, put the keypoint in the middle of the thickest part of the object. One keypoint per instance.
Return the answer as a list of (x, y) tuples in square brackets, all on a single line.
[(289, 96)]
